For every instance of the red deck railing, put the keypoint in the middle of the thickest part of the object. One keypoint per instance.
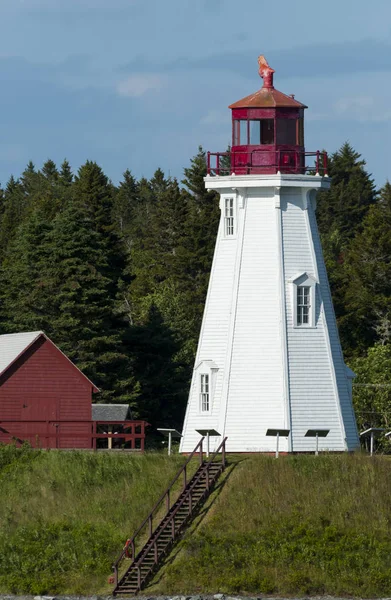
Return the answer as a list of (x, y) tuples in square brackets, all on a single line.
[(260, 161), (73, 434)]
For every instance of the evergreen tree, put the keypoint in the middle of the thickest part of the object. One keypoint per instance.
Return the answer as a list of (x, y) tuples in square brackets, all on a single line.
[(13, 212), (367, 280), (163, 384), (351, 194), (125, 203), (93, 193), (24, 296), (85, 322), (49, 171), (65, 175)]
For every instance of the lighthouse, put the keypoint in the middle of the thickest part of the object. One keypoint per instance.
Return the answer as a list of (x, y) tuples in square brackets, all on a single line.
[(269, 359)]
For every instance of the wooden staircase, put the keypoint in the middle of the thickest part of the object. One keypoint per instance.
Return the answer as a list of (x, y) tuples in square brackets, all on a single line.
[(146, 561)]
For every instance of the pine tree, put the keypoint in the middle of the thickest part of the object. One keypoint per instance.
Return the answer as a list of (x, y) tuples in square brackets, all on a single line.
[(125, 203), (162, 381), (351, 194), (50, 172), (367, 280), (65, 175), (93, 193), (24, 296), (85, 322), (13, 212)]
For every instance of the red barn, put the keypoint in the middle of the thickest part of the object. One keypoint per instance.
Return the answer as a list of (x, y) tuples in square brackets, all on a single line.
[(44, 398)]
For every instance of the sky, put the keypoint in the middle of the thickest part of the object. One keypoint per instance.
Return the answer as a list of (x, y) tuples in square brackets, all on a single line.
[(140, 84)]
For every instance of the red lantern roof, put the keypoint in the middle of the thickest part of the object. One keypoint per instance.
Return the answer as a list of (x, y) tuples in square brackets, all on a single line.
[(267, 96)]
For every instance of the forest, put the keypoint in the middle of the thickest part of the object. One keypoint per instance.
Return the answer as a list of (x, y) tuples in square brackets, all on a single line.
[(116, 276)]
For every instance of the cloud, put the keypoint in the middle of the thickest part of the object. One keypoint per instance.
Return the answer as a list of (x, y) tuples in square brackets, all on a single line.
[(363, 109), (137, 85), (313, 61)]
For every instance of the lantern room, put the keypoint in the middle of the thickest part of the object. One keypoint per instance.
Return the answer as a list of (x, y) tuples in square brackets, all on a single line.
[(267, 134)]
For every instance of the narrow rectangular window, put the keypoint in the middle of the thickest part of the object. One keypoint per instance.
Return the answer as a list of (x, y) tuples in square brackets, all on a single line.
[(229, 216), (303, 305), (236, 133), (204, 392), (255, 133), (243, 138)]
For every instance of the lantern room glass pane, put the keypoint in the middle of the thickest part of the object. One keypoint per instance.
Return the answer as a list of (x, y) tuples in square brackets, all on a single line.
[(267, 131), (261, 132), (286, 132), (255, 133), (243, 133)]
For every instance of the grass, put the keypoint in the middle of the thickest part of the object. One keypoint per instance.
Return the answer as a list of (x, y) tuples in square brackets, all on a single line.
[(298, 525), (64, 516)]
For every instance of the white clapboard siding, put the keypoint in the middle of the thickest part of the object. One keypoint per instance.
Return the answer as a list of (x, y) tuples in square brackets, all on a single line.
[(266, 373)]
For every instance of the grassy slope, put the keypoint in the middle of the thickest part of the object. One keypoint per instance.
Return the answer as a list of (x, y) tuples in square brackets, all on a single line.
[(299, 525), (65, 516), (296, 525)]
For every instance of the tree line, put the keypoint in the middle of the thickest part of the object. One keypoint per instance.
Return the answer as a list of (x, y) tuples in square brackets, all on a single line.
[(116, 276)]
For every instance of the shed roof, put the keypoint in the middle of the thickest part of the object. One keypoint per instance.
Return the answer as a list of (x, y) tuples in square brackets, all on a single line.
[(13, 345), (267, 97), (111, 412)]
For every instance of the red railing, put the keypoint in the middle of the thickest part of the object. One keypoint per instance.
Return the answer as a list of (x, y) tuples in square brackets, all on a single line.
[(73, 434), (267, 161)]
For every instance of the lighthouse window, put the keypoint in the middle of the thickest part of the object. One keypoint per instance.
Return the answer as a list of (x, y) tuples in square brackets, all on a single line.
[(261, 132), (204, 392), (240, 133), (286, 131), (303, 305), (229, 216)]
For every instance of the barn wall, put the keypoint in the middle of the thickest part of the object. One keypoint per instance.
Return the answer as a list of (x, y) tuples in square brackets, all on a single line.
[(44, 385)]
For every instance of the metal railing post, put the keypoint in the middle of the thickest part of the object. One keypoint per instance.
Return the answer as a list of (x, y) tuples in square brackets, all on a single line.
[(139, 577), (168, 500), (317, 162), (185, 477), (150, 525), (115, 569), (223, 454), (208, 163), (325, 165), (201, 453)]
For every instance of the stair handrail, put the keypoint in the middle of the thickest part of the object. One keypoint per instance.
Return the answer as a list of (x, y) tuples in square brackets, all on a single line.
[(185, 495), (166, 494)]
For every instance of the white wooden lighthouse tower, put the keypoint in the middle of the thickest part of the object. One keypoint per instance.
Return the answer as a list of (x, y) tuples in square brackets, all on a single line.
[(269, 355)]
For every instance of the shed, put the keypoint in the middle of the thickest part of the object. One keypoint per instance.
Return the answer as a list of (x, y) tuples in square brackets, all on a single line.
[(111, 413), (43, 395)]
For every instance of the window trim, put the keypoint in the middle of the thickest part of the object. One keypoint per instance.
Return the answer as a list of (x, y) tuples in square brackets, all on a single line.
[(232, 224), (206, 369), (205, 392), (304, 280)]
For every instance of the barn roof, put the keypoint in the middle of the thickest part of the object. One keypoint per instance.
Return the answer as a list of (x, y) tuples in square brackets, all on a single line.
[(111, 412), (13, 345)]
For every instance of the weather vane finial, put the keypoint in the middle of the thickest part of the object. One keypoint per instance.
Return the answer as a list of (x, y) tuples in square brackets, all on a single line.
[(265, 72)]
